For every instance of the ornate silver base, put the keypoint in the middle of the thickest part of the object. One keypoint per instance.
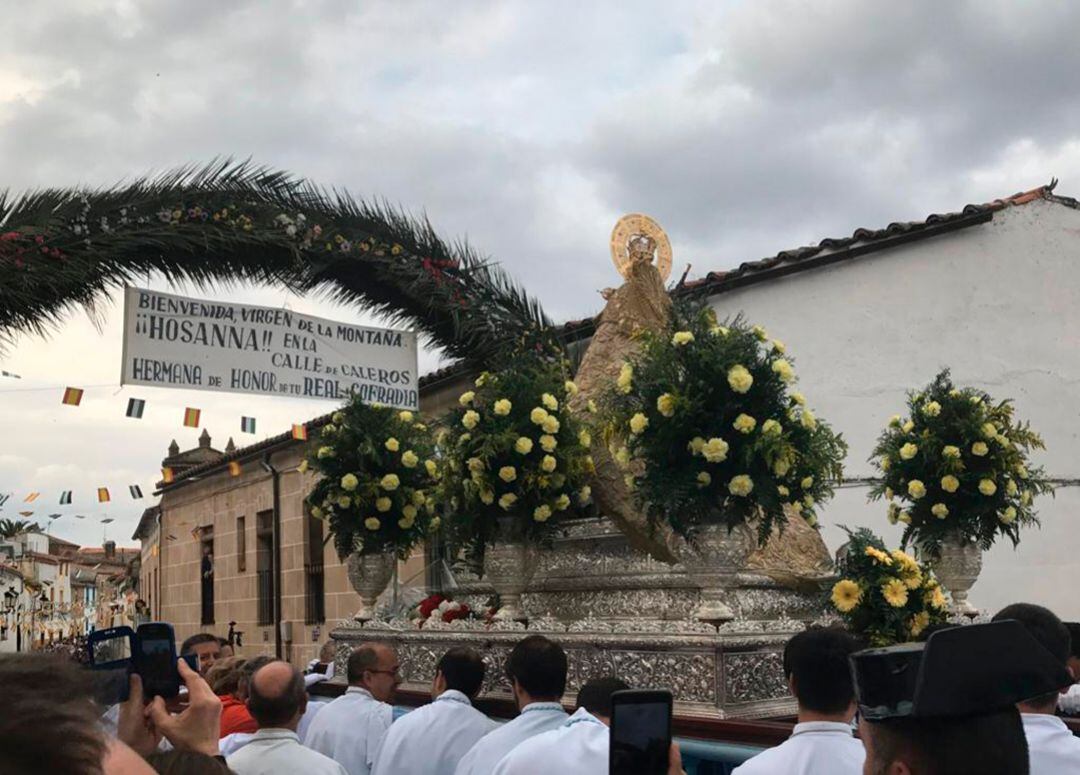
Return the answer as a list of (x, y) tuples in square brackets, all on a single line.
[(736, 672)]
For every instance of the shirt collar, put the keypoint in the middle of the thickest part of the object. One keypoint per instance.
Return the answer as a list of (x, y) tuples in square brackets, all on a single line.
[(542, 706), (359, 690), (1045, 720), (581, 715), (275, 733), (453, 695), (830, 727)]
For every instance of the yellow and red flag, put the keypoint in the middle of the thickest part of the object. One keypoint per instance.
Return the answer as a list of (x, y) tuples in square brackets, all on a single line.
[(234, 468), (103, 495), (73, 396), (299, 432), (191, 417), (31, 497), (167, 475)]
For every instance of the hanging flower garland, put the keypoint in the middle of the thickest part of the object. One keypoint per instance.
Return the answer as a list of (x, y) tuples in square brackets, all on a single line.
[(513, 448), (885, 597), (707, 428), (958, 464), (378, 475)]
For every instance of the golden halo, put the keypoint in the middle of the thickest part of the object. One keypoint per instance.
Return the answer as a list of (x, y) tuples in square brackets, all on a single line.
[(630, 226)]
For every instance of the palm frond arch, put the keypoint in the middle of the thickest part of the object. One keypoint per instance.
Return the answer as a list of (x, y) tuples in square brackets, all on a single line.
[(227, 222)]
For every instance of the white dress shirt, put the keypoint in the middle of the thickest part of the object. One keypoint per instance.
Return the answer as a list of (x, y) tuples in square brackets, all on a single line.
[(232, 743), (349, 729), (814, 748), (580, 745), (433, 738), (273, 751), (534, 719), (1052, 748)]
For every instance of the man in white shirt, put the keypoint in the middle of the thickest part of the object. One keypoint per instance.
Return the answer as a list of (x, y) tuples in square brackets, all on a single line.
[(580, 746), (1052, 748), (350, 728), (276, 701), (431, 740), (537, 672), (816, 666)]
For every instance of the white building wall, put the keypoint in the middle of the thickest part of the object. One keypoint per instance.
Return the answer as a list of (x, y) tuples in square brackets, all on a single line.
[(1000, 304)]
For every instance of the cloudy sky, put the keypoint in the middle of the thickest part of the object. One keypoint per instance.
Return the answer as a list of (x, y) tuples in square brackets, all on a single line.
[(527, 128)]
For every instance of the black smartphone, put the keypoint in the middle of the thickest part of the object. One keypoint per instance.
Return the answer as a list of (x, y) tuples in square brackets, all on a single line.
[(640, 732), (109, 656), (155, 660)]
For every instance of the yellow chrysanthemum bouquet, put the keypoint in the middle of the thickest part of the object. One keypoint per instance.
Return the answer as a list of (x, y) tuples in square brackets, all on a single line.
[(957, 466), (512, 448), (885, 597), (377, 479), (707, 427)]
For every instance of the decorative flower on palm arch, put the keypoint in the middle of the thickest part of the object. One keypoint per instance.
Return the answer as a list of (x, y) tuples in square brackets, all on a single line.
[(959, 464), (512, 447), (377, 482), (707, 429), (228, 222)]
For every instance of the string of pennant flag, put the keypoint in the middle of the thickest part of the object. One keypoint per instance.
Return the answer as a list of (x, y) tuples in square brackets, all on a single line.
[(136, 407)]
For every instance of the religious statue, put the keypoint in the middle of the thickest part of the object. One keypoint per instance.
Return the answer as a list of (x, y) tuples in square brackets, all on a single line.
[(642, 254)]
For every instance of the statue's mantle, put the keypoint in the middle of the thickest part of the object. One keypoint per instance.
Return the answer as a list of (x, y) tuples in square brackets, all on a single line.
[(619, 612)]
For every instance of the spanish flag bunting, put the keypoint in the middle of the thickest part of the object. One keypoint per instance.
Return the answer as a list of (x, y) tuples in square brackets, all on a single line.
[(103, 495), (299, 432), (167, 475), (234, 468), (191, 417), (31, 497), (73, 396)]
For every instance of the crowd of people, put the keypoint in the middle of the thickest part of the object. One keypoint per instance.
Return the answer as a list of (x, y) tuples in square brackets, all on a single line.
[(973, 699)]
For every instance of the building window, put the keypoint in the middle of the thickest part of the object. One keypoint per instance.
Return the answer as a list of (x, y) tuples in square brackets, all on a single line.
[(264, 565), (241, 546), (314, 581), (206, 575)]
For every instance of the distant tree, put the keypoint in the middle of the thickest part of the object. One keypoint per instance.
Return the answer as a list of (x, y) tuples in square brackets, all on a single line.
[(9, 528)]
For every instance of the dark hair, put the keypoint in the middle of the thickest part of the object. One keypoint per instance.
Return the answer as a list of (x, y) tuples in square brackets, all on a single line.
[(817, 661), (595, 695), (1074, 639), (278, 709), (538, 664), (1047, 629), (188, 646), (223, 642), (179, 762), (49, 723), (463, 668), (363, 658), (990, 744)]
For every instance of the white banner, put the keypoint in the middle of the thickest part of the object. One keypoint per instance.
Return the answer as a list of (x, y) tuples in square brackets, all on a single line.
[(176, 342)]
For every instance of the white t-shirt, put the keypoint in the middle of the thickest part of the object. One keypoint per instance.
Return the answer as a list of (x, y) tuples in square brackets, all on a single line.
[(534, 719), (349, 729), (579, 747), (273, 751), (814, 748), (1052, 747), (432, 739)]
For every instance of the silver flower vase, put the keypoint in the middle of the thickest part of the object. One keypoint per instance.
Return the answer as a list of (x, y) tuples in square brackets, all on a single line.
[(369, 574), (508, 566), (957, 568), (712, 559)]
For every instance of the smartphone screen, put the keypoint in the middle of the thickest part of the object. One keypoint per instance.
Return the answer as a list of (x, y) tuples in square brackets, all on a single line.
[(110, 658), (114, 648), (156, 660), (640, 732)]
